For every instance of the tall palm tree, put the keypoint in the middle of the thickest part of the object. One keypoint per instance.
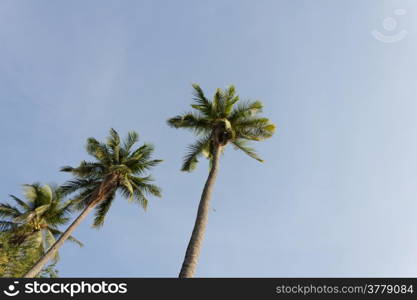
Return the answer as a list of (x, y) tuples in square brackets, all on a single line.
[(33, 225), (116, 167), (217, 123)]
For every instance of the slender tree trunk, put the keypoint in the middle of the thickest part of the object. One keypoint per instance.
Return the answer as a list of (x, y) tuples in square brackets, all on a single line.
[(194, 246), (106, 186)]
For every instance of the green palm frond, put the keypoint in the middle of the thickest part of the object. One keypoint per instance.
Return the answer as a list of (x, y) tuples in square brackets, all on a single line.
[(132, 138), (127, 185), (142, 153), (102, 210), (57, 233), (30, 191), (231, 100), (145, 185), (83, 197), (75, 241), (256, 132), (195, 150), (246, 109), (140, 168), (218, 103), (21, 203), (78, 183), (9, 211), (49, 240), (141, 187), (113, 143), (46, 194), (141, 199), (201, 103), (86, 169), (99, 151), (113, 140), (37, 194), (58, 217), (252, 122), (31, 214), (7, 226), (242, 145), (193, 121)]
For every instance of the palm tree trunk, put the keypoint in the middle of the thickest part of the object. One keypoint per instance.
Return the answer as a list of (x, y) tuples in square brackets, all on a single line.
[(194, 246), (105, 187)]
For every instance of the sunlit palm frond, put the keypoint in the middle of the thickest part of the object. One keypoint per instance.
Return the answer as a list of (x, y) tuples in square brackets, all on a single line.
[(102, 210), (9, 211), (245, 109), (23, 205), (145, 184), (7, 226), (201, 103), (77, 184), (86, 169), (99, 151), (193, 121), (49, 240), (57, 233), (195, 150), (257, 130), (131, 139), (242, 145)]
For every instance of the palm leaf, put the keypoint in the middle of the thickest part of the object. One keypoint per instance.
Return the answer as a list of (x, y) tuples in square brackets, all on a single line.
[(202, 104), (194, 122), (8, 211), (242, 145), (7, 226), (20, 202), (246, 109), (102, 210), (131, 139), (58, 233), (194, 151)]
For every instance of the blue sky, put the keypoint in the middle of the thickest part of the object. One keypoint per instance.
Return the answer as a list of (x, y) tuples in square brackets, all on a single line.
[(337, 195)]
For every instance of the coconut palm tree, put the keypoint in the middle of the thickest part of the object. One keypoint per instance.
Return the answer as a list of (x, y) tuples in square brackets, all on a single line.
[(217, 123), (32, 226), (116, 167)]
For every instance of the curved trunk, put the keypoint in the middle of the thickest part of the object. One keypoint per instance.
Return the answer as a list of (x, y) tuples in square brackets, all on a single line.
[(194, 246), (106, 186)]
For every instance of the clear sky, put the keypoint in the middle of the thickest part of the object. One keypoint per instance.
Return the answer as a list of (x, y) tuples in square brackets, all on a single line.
[(337, 195)]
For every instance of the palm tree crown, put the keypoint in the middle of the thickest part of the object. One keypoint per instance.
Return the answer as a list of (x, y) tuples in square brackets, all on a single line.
[(35, 222), (114, 159), (220, 121)]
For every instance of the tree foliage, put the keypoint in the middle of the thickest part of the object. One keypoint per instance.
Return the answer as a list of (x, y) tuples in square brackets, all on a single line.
[(224, 119), (130, 166), (28, 228)]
